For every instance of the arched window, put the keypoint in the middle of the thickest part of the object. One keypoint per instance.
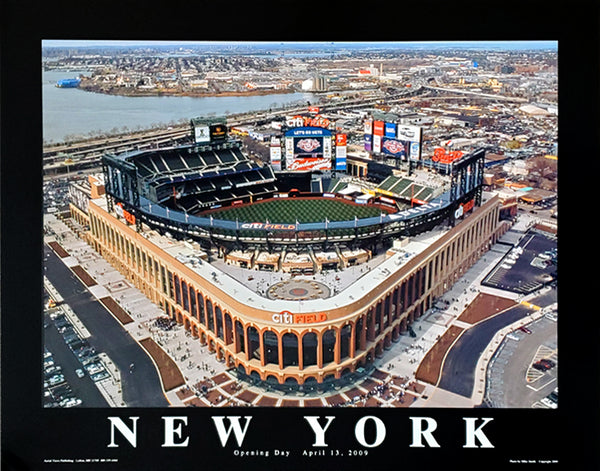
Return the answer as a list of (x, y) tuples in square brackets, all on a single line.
[(184, 290), (209, 315), (253, 343), (239, 332), (193, 307), (271, 346), (310, 343), (329, 338), (201, 315), (290, 349), (228, 329), (177, 289), (345, 337), (359, 328), (219, 316)]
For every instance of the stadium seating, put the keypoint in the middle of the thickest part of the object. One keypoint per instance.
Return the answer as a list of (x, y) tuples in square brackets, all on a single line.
[(195, 179), (406, 188)]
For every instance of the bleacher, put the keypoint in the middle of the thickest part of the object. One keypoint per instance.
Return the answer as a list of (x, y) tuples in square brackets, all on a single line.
[(194, 179), (406, 188), (178, 160)]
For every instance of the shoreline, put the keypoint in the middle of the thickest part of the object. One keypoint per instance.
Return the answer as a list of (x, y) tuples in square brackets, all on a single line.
[(164, 93)]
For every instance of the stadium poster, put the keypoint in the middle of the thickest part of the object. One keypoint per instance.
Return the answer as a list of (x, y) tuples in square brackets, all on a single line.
[(309, 163), (275, 152), (218, 132), (312, 146), (376, 143), (201, 134), (340, 158), (408, 133), (395, 147), (378, 128), (369, 142), (390, 130), (275, 438)]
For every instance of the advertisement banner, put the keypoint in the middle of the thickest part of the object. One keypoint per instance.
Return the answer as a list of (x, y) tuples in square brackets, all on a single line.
[(415, 151), (308, 146), (201, 134), (340, 139), (276, 157), (390, 130), (308, 131), (308, 163), (289, 148), (340, 158), (376, 143), (394, 147), (218, 132), (378, 128), (327, 148), (368, 142), (408, 133), (368, 127)]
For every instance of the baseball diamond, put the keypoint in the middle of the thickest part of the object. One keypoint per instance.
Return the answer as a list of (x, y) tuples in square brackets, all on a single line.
[(302, 210)]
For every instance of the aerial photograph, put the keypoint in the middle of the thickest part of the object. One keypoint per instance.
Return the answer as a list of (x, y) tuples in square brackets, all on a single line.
[(300, 224)]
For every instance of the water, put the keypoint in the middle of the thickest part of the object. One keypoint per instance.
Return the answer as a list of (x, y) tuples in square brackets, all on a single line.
[(69, 112)]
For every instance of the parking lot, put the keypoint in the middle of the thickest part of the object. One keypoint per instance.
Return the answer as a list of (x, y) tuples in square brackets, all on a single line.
[(528, 266), (71, 366), (512, 379)]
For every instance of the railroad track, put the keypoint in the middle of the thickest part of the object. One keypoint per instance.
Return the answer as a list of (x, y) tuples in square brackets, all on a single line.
[(86, 154)]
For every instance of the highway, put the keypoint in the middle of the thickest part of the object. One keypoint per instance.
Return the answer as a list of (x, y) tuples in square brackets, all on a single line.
[(479, 94), (86, 154), (142, 388)]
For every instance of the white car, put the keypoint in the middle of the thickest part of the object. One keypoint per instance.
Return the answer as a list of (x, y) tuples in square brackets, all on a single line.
[(80, 373), (94, 368), (548, 403), (70, 402)]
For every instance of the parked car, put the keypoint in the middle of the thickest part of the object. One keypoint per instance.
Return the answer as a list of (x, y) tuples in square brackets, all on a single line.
[(525, 329), (540, 366), (548, 403), (549, 363), (70, 402), (56, 379), (94, 368), (100, 375)]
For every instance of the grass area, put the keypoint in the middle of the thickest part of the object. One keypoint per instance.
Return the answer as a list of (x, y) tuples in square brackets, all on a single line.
[(288, 210)]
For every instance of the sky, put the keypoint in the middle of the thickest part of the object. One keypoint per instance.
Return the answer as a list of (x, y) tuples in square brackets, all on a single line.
[(512, 45)]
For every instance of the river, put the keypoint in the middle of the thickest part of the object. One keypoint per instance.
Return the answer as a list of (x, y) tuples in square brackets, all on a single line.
[(73, 112)]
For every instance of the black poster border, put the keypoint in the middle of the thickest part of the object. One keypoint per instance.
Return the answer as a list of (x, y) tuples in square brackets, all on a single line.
[(37, 438)]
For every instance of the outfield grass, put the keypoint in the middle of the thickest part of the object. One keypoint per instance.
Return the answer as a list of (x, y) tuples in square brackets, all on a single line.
[(288, 210)]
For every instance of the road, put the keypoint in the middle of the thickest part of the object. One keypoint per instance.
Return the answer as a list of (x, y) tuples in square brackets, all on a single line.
[(458, 373), (142, 388)]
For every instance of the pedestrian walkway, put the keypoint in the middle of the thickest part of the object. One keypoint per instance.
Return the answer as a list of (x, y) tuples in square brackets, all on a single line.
[(210, 384)]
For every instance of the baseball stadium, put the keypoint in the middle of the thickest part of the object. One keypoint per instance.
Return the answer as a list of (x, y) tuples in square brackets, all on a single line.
[(192, 225)]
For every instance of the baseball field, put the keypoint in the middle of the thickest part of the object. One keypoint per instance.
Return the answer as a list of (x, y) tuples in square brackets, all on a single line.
[(290, 210)]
